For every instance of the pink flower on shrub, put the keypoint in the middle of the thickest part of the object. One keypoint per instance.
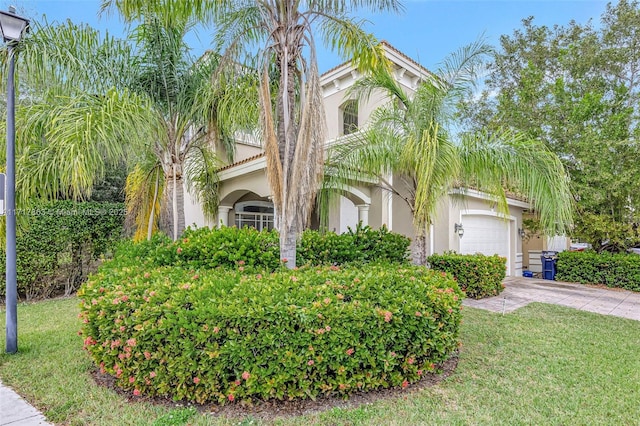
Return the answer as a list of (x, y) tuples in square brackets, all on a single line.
[(418, 313), (246, 375), (125, 298), (284, 260), (147, 355), (294, 278), (387, 316), (410, 361), (152, 374), (179, 250), (237, 383), (131, 342), (334, 268), (195, 277), (152, 293), (136, 392), (412, 278), (116, 301), (147, 275), (310, 362), (132, 379), (241, 262), (320, 331), (340, 296), (327, 300), (393, 354), (196, 380), (356, 280), (350, 351), (241, 268), (327, 328), (419, 373), (450, 310), (342, 386), (405, 384), (259, 276), (121, 356), (231, 397), (186, 286), (102, 369), (94, 302), (216, 330)]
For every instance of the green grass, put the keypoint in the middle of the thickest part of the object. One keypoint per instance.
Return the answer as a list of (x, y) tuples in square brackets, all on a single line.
[(542, 364)]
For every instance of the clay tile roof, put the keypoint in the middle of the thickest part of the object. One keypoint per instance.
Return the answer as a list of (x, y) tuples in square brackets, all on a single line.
[(237, 163)]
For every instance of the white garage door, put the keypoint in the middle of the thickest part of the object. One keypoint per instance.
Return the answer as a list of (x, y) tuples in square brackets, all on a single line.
[(488, 235)]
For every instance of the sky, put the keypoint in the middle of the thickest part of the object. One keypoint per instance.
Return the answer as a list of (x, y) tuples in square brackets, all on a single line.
[(426, 31)]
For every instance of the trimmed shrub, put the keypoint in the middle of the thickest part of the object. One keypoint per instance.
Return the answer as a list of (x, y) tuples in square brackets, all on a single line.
[(363, 244), (220, 335), (59, 243), (613, 270), (225, 247), (477, 275)]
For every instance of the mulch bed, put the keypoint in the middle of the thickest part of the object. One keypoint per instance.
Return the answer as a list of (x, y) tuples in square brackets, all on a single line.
[(274, 409)]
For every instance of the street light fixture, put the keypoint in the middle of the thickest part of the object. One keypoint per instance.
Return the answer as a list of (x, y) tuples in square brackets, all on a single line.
[(12, 28)]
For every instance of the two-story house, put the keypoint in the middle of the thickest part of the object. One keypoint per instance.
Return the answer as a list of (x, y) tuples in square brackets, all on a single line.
[(467, 222)]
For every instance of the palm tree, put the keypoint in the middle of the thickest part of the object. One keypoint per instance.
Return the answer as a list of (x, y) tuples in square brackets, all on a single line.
[(282, 34), (95, 101), (413, 138), (71, 119)]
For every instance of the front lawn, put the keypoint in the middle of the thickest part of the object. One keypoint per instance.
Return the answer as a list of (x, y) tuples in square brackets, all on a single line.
[(542, 364)]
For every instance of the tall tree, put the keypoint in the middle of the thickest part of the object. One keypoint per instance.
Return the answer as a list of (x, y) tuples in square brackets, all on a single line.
[(94, 101), (281, 35), (577, 89), (414, 138)]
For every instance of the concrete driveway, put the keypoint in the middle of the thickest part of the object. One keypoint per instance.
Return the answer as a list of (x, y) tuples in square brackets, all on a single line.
[(521, 291)]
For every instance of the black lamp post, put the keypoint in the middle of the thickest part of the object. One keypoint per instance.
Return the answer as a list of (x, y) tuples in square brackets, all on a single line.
[(12, 27)]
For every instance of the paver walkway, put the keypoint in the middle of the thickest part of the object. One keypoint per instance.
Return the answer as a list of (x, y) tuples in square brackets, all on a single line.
[(521, 291), (15, 411)]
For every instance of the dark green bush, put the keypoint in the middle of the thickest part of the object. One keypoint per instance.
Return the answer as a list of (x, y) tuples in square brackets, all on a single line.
[(58, 245), (477, 275), (220, 335), (363, 244), (225, 247), (588, 267)]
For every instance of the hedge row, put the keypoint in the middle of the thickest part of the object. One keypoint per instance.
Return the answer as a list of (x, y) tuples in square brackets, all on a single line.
[(221, 335), (613, 270), (225, 247), (477, 275), (58, 244)]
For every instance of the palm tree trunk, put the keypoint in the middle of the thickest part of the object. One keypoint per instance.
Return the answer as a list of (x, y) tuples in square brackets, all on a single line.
[(172, 221), (288, 239), (419, 248), (153, 206)]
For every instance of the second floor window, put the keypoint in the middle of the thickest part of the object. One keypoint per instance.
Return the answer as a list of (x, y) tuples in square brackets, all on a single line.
[(350, 117)]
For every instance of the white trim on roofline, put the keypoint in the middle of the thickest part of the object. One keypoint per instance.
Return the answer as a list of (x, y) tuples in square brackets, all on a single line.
[(243, 169), (474, 193)]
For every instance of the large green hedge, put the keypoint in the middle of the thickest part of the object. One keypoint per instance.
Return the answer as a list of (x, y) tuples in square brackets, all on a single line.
[(221, 334), (477, 275), (588, 267), (225, 247), (58, 244)]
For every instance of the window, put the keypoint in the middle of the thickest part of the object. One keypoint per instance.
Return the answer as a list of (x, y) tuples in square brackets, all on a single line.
[(350, 117), (254, 214)]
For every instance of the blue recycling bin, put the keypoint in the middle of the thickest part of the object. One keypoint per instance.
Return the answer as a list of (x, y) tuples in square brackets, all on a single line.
[(549, 259)]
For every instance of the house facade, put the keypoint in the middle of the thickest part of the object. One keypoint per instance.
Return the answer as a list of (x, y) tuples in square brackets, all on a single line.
[(467, 221)]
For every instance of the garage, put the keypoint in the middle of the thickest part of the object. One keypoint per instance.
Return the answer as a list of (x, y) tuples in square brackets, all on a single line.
[(486, 234)]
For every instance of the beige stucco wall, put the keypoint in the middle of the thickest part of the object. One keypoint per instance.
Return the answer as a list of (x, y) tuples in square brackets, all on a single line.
[(246, 151)]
